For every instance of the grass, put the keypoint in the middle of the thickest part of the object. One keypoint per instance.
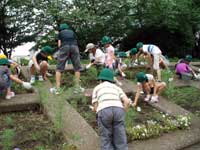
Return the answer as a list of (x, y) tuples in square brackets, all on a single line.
[(30, 131)]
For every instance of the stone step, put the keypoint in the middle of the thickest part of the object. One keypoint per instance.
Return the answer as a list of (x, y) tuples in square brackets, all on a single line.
[(20, 102)]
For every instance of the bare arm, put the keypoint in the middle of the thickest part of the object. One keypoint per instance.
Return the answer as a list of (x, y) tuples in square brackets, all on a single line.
[(59, 43), (35, 63), (137, 95), (95, 105), (126, 102), (17, 80)]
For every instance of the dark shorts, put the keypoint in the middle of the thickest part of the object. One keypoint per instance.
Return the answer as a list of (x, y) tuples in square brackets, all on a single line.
[(152, 90), (5, 82), (68, 52)]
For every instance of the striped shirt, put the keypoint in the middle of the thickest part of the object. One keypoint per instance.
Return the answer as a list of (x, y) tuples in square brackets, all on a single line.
[(107, 94), (152, 49)]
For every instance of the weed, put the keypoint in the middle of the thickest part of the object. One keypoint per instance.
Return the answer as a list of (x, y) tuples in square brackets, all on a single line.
[(7, 139)]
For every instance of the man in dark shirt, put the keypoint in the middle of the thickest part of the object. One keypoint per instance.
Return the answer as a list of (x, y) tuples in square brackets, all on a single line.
[(68, 50)]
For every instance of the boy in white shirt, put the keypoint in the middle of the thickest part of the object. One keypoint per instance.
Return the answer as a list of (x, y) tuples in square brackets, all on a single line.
[(153, 54)]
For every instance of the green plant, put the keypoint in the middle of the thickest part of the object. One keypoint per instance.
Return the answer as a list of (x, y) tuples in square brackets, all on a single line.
[(7, 139), (129, 118), (41, 148)]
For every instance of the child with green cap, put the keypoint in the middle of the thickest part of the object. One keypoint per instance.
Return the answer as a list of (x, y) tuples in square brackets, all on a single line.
[(68, 50), (183, 70), (39, 62), (153, 54), (152, 89), (6, 77), (110, 104), (110, 59)]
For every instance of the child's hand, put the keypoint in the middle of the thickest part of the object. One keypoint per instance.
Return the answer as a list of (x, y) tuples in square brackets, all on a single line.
[(133, 104), (26, 85)]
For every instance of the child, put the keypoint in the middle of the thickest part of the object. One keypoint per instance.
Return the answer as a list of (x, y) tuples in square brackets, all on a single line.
[(110, 59), (151, 88), (183, 70), (39, 62), (110, 103), (13, 64), (6, 77), (153, 54)]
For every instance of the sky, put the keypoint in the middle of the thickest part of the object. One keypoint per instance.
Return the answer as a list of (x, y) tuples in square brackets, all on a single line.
[(23, 50)]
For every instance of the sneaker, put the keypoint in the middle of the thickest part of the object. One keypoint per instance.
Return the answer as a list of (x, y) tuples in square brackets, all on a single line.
[(55, 91), (147, 98), (10, 95), (154, 99), (40, 78), (32, 79)]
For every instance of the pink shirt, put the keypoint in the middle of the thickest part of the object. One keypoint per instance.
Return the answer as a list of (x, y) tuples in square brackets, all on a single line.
[(182, 68), (109, 56)]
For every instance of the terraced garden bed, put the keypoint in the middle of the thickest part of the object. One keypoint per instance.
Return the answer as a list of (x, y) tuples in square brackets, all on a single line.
[(186, 97), (30, 131)]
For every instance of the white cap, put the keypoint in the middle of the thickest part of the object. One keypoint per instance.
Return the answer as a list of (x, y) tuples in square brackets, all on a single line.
[(89, 46)]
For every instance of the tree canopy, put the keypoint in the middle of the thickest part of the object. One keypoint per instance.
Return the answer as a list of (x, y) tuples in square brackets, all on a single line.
[(170, 24)]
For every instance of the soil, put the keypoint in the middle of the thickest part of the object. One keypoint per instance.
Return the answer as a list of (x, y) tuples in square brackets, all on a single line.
[(32, 131), (188, 98)]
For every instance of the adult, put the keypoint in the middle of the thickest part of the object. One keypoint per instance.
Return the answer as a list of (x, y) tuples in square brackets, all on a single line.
[(39, 62), (68, 49), (110, 103), (152, 89), (153, 54), (97, 57)]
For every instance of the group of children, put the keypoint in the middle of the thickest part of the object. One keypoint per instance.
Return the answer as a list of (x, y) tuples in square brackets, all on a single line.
[(109, 101)]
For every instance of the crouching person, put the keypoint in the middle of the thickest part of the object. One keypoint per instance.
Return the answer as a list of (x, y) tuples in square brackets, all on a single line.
[(183, 69), (152, 89), (39, 62), (110, 103), (6, 77)]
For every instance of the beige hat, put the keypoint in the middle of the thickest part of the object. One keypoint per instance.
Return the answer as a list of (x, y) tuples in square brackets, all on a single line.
[(89, 46)]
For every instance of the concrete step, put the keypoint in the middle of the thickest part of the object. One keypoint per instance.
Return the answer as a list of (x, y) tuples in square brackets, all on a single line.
[(20, 102)]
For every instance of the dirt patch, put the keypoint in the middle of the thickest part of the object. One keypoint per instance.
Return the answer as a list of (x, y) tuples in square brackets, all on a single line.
[(30, 131)]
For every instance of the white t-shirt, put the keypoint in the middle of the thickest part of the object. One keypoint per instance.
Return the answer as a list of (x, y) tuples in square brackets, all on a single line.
[(100, 56), (152, 49)]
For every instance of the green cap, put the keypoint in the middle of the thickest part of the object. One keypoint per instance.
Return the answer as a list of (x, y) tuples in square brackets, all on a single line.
[(106, 74), (4, 61), (188, 58), (141, 77), (47, 49), (64, 26), (133, 51), (106, 40), (139, 45)]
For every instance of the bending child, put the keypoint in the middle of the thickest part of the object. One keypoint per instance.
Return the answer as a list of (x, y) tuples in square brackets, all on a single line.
[(152, 89), (6, 77)]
